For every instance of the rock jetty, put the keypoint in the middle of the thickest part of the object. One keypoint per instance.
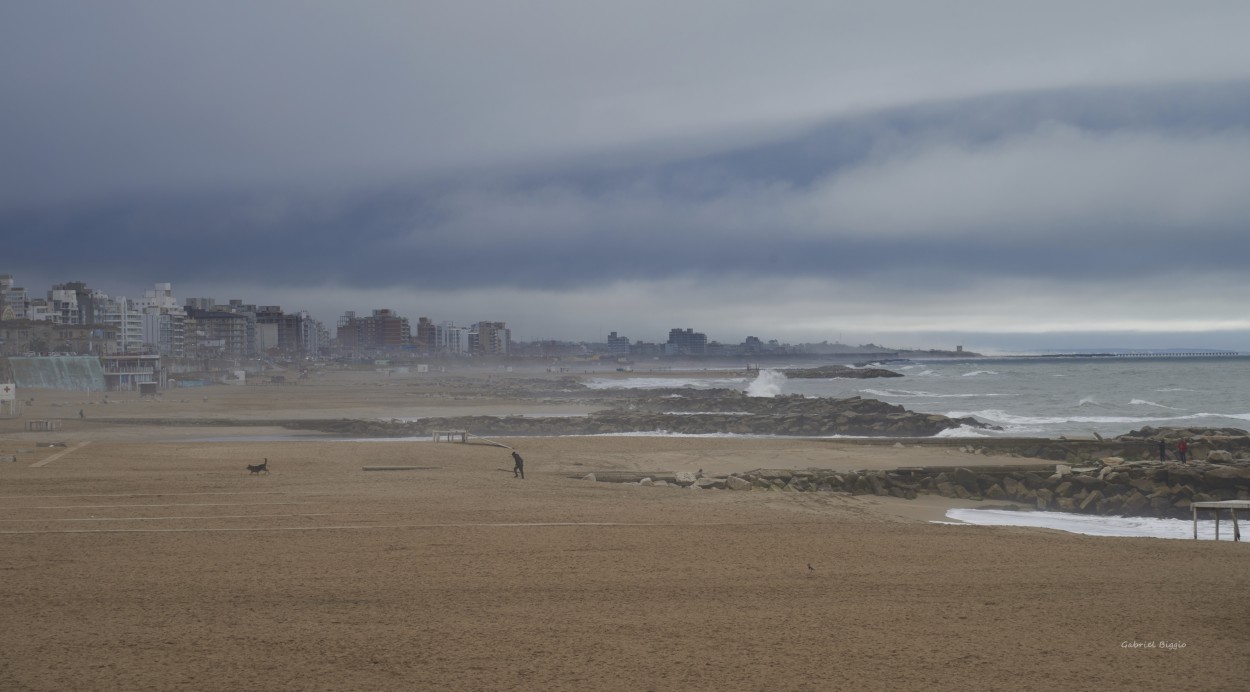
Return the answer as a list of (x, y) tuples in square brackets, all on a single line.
[(1106, 486), (828, 372), (693, 412)]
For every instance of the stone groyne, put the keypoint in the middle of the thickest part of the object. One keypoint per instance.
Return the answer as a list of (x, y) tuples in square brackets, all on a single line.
[(1113, 487)]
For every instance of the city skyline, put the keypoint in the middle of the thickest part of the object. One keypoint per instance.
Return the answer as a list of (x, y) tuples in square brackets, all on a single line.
[(87, 307), (1006, 177)]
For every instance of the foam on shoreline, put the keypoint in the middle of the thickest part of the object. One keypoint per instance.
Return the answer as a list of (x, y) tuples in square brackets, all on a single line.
[(1132, 527)]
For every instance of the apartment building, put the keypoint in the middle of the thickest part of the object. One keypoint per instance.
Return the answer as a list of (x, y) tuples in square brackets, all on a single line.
[(164, 321), (450, 339), (490, 339), (686, 342), (216, 334), (383, 330), (13, 299)]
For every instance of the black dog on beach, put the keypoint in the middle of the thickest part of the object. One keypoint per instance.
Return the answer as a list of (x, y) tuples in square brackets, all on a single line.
[(257, 468)]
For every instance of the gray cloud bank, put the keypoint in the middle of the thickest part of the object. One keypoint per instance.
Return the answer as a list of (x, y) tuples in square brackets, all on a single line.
[(823, 171)]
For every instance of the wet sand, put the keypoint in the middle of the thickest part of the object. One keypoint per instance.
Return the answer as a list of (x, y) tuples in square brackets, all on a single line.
[(145, 559)]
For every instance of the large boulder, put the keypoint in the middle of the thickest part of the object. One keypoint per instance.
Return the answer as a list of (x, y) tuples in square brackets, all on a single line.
[(736, 483), (1219, 456), (1091, 501), (1240, 474), (967, 479), (1135, 502)]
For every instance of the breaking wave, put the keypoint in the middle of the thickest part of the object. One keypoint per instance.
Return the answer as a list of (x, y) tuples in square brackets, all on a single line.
[(962, 431), (1000, 416), (974, 373), (767, 384)]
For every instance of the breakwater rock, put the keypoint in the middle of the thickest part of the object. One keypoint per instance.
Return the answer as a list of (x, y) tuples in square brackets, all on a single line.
[(828, 372), (729, 412), (1115, 487)]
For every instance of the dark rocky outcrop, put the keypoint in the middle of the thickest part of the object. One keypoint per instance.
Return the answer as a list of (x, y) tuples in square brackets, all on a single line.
[(826, 372), (1118, 488), (1178, 433), (691, 412)]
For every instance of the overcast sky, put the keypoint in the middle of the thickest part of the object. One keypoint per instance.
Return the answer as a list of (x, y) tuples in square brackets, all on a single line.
[(1003, 175)]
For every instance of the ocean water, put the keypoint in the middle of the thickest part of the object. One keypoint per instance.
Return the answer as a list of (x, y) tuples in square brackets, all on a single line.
[(1033, 397)]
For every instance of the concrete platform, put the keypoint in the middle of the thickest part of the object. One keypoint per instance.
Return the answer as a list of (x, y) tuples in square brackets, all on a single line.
[(1231, 505)]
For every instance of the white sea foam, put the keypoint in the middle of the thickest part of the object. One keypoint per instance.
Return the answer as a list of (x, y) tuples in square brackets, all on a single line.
[(767, 384), (927, 373), (1000, 416), (1143, 402), (1087, 401), (1091, 525), (962, 431), (975, 373)]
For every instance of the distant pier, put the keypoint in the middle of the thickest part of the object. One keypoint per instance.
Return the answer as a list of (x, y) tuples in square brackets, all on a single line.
[(1147, 354)]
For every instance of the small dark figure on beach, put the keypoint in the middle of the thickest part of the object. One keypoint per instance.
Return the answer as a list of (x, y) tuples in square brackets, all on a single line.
[(518, 466), (81, 414), (1182, 449), (1163, 451)]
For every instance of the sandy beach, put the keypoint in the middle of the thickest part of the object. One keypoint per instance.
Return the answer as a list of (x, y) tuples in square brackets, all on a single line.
[(142, 556)]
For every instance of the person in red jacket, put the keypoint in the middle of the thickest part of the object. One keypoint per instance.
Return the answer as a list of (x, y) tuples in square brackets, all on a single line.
[(1182, 448)]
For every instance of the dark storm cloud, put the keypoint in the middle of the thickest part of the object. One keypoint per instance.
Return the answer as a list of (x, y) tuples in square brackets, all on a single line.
[(849, 158), (1066, 183), (133, 97)]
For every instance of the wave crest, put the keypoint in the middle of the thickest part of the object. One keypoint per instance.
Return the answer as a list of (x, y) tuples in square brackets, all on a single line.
[(767, 384)]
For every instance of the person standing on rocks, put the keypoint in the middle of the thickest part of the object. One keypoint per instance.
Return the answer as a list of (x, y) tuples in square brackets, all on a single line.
[(1182, 449), (518, 466)]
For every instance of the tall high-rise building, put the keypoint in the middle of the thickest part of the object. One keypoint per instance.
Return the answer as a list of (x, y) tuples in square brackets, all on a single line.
[(618, 345), (164, 321), (493, 339), (384, 330), (450, 339), (14, 302), (425, 336), (686, 342)]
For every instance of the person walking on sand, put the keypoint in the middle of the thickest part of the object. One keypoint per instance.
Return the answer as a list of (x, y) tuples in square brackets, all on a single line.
[(1182, 449), (518, 466)]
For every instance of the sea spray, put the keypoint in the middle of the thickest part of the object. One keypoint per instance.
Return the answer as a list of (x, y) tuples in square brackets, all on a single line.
[(767, 384)]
